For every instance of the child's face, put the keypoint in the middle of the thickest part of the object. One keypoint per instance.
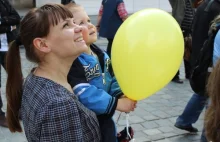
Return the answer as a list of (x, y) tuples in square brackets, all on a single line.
[(89, 33)]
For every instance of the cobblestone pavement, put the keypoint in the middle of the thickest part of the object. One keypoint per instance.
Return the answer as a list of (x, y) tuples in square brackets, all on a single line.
[(152, 120)]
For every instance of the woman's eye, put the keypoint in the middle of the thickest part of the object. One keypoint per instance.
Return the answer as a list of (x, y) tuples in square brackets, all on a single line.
[(89, 21), (65, 25)]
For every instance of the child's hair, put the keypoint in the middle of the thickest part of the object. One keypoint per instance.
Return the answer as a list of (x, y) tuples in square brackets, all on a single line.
[(73, 7), (36, 23), (212, 117)]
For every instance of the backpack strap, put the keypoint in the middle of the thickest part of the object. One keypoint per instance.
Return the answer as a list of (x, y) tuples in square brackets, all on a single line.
[(208, 6)]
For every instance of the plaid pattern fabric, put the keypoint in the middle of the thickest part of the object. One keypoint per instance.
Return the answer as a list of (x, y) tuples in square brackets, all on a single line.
[(51, 113), (122, 12)]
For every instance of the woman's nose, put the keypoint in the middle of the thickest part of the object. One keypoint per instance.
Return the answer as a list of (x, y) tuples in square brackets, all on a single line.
[(78, 29)]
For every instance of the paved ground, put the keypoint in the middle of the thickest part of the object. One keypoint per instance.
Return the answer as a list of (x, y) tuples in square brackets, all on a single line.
[(152, 120)]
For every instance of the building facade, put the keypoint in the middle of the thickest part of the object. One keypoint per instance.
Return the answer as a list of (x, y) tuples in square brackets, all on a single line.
[(92, 6)]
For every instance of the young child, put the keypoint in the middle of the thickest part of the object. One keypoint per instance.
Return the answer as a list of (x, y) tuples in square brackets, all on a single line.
[(91, 81)]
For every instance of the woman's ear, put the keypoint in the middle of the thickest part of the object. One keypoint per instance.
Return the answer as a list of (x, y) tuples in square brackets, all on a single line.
[(40, 44)]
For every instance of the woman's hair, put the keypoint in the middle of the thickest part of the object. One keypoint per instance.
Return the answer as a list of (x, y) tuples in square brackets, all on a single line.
[(212, 117), (35, 24)]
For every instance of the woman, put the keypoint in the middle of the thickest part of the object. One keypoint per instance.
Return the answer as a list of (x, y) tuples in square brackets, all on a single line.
[(49, 109)]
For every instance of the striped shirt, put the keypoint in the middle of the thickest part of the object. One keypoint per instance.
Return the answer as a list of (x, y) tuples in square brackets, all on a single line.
[(51, 113), (188, 17)]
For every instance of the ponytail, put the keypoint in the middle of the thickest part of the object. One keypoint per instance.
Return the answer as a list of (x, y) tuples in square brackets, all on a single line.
[(14, 87)]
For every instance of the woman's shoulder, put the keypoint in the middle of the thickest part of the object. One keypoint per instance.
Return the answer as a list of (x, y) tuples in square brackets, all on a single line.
[(43, 91)]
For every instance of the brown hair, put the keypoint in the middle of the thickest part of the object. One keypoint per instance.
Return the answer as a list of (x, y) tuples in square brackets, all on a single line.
[(35, 24), (212, 117)]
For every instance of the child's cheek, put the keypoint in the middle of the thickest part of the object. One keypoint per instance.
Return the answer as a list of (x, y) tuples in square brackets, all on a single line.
[(85, 35)]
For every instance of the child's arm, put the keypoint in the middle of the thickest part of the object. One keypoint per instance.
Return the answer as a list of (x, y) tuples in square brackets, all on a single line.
[(96, 99), (100, 101), (115, 90), (122, 11), (93, 98)]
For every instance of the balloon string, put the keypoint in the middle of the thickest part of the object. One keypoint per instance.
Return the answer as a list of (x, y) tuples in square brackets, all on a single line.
[(127, 127)]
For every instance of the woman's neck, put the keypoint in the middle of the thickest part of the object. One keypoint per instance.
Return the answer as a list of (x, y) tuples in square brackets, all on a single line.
[(56, 71)]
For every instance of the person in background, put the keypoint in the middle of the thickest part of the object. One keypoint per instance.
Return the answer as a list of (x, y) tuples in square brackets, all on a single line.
[(183, 12), (111, 15), (211, 117), (9, 18), (205, 13)]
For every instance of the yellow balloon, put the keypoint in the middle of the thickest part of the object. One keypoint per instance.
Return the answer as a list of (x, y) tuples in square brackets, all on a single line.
[(147, 52)]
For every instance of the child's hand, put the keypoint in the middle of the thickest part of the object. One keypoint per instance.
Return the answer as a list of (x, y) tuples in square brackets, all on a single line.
[(126, 105)]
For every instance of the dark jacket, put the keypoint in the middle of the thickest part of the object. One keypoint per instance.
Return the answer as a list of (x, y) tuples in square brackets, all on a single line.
[(111, 20), (202, 20), (9, 17), (178, 9), (64, 2)]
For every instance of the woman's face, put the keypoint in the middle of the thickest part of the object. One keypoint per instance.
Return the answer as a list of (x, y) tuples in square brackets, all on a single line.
[(65, 39)]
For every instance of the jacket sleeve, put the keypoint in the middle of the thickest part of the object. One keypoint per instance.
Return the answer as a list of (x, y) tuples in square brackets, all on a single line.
[(4, 29), (115, 90), (12, 19), (96, 99), (172, 3)]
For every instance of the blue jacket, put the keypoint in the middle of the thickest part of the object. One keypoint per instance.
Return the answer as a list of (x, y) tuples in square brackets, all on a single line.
[(111, 20), (96, 88)]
